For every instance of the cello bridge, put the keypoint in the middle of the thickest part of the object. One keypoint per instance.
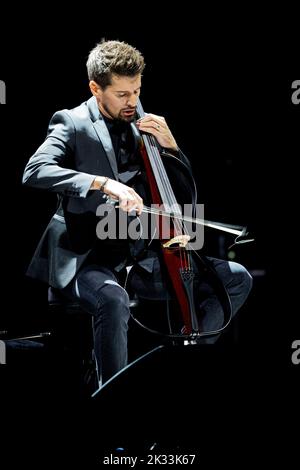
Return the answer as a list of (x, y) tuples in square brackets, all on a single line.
[(179, 241)]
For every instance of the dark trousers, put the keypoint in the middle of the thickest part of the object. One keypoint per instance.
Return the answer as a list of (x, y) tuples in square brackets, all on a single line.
[(99, 292)]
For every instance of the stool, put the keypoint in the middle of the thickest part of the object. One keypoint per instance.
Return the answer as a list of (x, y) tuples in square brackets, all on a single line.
[(72, 334)]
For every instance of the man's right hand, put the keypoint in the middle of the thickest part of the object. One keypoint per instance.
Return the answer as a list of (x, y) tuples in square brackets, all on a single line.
[(129, 200)]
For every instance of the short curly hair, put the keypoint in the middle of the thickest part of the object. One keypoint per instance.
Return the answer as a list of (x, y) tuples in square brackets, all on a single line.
[(113, 57)]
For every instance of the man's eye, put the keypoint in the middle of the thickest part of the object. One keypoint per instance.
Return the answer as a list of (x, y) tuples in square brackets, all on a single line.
[(121, 95)]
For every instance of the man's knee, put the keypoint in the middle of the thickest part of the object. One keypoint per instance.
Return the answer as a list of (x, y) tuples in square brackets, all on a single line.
[(247, 280), (243, 279), (115, 299)]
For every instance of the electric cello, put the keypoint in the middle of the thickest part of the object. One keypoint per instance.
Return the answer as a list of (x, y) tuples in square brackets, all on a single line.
[(180, 259)]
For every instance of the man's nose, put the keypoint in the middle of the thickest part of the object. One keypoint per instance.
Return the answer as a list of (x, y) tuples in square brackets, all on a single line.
[(131, 102)]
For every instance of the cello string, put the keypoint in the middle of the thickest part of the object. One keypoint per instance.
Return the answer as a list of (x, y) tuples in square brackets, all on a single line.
[(160, 174), (162, 179), (167, 195), (164, 186), (172, 203), (157, 165)]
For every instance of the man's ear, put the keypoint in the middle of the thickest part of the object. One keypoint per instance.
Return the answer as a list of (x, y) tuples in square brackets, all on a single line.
[(95, 88)]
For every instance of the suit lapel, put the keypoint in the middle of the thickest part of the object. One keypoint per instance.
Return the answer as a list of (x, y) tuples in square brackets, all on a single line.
[(103, 134)]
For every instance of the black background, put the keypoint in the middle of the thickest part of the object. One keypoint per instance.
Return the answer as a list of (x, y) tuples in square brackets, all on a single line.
[(221, 92)]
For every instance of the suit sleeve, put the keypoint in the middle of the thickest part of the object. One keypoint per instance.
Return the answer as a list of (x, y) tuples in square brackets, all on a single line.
[(45, 169)]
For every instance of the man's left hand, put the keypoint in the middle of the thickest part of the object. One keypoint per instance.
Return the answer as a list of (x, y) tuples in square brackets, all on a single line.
[(157, 126)]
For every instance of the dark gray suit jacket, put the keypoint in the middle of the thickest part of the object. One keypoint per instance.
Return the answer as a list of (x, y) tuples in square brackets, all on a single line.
[(77, 148)]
